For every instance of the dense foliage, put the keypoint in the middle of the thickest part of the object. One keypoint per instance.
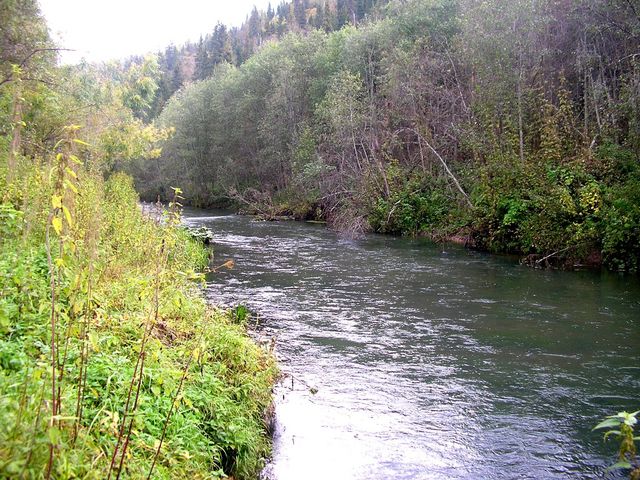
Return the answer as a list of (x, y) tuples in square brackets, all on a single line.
[(512, 126), (111, 364)]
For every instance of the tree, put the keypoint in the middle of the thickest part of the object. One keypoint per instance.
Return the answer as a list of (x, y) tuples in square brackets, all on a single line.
[(24, 41), (299, 13)]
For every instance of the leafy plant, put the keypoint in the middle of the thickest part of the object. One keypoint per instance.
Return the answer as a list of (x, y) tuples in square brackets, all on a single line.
[(204, 386), (622, 426)]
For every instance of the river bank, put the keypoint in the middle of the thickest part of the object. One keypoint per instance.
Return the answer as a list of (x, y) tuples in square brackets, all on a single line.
[(102, 318), (466, 236)]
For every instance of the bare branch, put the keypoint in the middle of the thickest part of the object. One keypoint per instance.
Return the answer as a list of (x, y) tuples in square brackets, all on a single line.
[(444, 164), (26, 60)]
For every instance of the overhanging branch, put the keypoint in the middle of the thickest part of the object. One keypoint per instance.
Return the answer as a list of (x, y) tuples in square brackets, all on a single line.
[(26, 60)]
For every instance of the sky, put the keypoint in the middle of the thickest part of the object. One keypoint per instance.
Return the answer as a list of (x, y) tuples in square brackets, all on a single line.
[(100, 30)]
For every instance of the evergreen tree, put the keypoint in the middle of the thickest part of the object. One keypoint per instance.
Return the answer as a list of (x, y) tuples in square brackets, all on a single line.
[(254, 29), (318, 18), (219, 45), (203, 64), (343, 13), (299, 13)]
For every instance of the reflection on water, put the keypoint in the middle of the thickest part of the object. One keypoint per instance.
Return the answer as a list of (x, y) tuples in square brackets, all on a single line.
[(430, 364)]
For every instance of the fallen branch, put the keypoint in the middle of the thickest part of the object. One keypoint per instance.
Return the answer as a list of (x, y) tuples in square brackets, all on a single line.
[(554, 254), (444, 164)]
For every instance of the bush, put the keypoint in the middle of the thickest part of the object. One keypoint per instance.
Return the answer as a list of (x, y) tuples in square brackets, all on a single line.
[(416, 205), (538, 209), (621, 226)]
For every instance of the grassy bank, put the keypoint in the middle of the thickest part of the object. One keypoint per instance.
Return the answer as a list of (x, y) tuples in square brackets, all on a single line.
[(110, 360)]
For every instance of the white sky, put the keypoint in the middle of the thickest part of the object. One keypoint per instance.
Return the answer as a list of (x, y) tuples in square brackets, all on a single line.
[(106, 29)]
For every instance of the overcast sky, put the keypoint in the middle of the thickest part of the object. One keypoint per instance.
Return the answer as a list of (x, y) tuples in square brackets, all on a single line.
[(105, 29)]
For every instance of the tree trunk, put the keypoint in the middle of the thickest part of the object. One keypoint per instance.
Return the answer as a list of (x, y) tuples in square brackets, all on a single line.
[(16, 121), (520, 126)]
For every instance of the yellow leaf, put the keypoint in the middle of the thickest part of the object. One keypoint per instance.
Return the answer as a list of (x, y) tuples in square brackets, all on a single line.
[(67, 215), (67, 183), (77, 307), (56, 222), (56, 201), (71, 172), (155, 153), (75, 159)]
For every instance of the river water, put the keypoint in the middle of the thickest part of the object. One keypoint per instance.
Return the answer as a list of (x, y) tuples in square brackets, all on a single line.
[(430, 362)]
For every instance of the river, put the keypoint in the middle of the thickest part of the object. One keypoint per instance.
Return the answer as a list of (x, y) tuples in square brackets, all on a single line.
[(430, 362)]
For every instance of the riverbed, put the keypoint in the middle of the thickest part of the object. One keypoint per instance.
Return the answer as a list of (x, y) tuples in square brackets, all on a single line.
[(404, 359)]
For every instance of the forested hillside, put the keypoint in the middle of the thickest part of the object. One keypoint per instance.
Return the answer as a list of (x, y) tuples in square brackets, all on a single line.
[(514, 126), (111, 363), (196, 61)]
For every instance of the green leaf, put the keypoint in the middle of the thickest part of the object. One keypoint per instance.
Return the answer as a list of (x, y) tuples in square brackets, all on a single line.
[(612, 432), (629, 418), (618, 465), (15, 467), (54, 435), (608, 423)]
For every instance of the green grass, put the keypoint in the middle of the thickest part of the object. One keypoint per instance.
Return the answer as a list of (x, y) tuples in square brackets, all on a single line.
[(116, 274)]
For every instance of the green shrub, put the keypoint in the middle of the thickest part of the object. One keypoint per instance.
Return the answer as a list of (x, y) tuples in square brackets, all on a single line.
[(416, 205), (621, 226)]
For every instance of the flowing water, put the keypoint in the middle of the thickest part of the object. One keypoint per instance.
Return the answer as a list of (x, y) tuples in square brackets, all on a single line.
[(430, 362)]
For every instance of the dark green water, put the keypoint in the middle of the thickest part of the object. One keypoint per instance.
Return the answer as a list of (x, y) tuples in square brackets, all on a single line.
[(431, 364)]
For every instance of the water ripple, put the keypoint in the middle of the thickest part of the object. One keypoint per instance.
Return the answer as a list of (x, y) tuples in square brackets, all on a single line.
[(430, 365)]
